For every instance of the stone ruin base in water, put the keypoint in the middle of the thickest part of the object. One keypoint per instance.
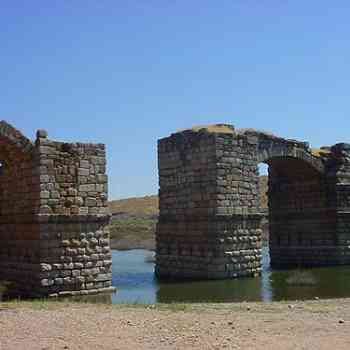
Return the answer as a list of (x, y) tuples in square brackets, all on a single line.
[(210, 221), (54, 236)]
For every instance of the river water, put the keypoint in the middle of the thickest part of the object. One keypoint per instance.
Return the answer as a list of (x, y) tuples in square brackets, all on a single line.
[(134, 279), (135, 283)]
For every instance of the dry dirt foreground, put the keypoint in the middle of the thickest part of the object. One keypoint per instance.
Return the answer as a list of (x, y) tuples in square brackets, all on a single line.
[(320, 325)]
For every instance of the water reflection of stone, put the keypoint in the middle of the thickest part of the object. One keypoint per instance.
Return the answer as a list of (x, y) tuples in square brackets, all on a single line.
[(135, 283), (233, 290), (245, 289), (101, 298), (8, 291), (266, 287)]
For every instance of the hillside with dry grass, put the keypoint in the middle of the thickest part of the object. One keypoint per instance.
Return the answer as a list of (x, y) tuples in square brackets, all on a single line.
[(136, 206), (134, 222)]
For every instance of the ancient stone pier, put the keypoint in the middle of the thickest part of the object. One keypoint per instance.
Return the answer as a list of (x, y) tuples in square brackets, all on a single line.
[(210, 216), (54, 237)]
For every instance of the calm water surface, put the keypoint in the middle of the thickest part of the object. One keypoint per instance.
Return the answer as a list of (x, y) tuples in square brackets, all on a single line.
[(135, 282)]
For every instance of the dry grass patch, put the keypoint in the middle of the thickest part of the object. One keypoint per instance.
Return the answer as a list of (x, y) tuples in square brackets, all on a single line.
[(215, 128), (141, 206)]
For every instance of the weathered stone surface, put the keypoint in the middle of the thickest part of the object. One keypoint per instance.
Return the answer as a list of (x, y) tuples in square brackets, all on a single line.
[(41, 134), (210, 216), (43, 190)]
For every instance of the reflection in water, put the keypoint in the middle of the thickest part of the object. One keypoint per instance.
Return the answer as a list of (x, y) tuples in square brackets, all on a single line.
[(102, 298), (135, 282), (265, 279), (133, 277), (7, 290), (232, 290)]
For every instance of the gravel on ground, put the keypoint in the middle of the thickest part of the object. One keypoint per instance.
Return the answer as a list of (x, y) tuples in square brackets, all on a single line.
[(319, 324)]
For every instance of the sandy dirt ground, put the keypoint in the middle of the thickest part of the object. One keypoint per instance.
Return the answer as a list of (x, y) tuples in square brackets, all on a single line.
[(320, 325)]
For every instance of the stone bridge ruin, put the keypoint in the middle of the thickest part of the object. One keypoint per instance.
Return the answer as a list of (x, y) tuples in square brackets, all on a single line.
[(210, 216), (54, 237)]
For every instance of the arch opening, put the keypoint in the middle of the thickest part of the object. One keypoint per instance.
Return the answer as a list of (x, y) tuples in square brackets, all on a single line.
[(297, 204), (263, 171)]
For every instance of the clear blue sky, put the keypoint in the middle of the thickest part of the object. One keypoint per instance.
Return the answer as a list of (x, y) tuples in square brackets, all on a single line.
[(126, 73)]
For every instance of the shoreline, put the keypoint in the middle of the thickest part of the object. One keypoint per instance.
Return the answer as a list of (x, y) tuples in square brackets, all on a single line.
[(128, 244)]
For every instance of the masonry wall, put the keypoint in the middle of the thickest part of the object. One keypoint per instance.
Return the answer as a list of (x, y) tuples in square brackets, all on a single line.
[(54, 236), (202, 233), (187, 181), (338, 172), (75, 251)]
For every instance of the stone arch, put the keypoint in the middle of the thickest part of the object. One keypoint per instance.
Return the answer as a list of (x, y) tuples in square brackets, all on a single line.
[(270, 146), (301, 224), (298, 201)]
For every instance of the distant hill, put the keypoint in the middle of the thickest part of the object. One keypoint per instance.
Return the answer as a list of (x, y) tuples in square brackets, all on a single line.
[(136, 206), (134, 222)]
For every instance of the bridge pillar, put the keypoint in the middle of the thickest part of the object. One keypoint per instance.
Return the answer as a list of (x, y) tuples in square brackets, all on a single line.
[(339, 175), (54, 236), (210, 223)]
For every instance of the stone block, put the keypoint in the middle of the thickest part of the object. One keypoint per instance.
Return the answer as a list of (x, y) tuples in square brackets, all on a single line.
[(87, 188), (83, 172), (90, 202), (101, 178)]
